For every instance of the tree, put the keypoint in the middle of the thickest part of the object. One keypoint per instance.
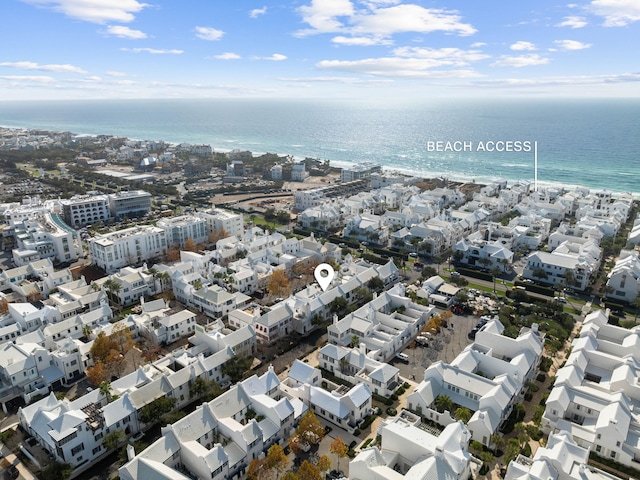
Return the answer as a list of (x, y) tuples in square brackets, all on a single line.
[(105, 390), (173, 254), (98, 373), (152, 412), (540, 273), (276, 459), (258, 469), (339, 449), (495, 271), (355, 341), (486, 457), (338, 304), (112, 439), (87, 331), (308, 471), (57, 471), (113, 287), (376, 284), (4, 306), (310, 429), (236, 366), (636, 303), (189, 245), (443, 402), (34, 296), (512, 450), (462, 414), (218, 235), (289, 476), (278, 284), (324, 463), (498, 441)]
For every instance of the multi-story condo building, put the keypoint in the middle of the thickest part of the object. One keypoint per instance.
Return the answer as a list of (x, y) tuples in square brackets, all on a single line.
[(360, 171), (219, 219), (179, 229), (129, 204), (135, 245), (47, 236), (81, 210), (596, 397)]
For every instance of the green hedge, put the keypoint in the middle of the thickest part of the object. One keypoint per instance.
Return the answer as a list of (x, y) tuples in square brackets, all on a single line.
[(468, 272)]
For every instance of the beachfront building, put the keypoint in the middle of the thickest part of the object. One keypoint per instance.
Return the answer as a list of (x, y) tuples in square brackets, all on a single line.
[(596, 397), (179, 229), (135, 245), (623, 281), (134, 203), (220, 439), (359, 171), (488, 377), (321, 218), (314, 197), (299, 172), (354, 366), (409, 452), (562, 459), (81, 210), (383, 327)]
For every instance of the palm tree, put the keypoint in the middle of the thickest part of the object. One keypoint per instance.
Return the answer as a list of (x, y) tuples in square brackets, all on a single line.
[(443, 402), (105, 390), (87, 331), (636, 303), (495, 271)]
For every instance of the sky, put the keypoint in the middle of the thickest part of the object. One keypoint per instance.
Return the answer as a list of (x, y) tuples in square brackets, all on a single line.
[(397, 49)]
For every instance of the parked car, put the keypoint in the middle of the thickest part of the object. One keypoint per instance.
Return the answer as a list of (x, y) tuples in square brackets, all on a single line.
[(403, 357)]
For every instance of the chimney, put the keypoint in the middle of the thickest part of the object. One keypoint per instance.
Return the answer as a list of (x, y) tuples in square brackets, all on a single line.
[(131, 452)]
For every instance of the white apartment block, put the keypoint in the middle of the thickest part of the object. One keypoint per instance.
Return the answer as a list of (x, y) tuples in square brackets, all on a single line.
[(360, 171), (81, 210), (354, 366), (219, 219), (581, 260), (179, 229), (624, 279), (135, 245), (134, 203), (384, 326), (219, 439), (49, 236), (342, 406), (596, 397), (484, 254), (409, 452), (135, 283), (299, 172), (561, 459), (488, 377)]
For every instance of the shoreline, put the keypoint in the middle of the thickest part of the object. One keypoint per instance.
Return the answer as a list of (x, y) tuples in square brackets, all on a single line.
[(457, 177)]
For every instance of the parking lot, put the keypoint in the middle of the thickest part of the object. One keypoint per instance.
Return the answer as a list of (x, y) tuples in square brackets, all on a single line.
[(445, 346)]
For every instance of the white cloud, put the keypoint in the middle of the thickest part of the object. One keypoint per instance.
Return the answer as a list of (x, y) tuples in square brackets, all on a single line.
[(322, 15), (571, 45), (397, 67), (209, 33), (276, 57), (379, 20), (256, 12), (573, 22), (570, 81), (361, 41), (522, 46), (125, 32), (616, 13), (446, 56), (227, 56), (478, 45), (115, 73), (45, 68), (96, 11), (28, 78), (520, 61), (154, 51), (347, 80)]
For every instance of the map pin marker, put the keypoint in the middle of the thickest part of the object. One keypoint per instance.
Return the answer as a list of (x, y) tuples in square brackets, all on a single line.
[(324, 274)]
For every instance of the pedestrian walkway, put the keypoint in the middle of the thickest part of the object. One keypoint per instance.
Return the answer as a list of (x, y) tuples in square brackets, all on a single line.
[(11, 459)]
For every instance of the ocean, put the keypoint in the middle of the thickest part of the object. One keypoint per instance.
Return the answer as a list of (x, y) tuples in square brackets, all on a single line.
[(588, 142)]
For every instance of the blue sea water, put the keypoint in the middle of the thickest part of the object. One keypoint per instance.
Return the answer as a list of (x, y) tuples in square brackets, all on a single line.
[(590, 142)]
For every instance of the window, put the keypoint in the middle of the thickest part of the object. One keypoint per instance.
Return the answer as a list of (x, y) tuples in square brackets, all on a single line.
[(77, 449), (617, 443), (613, 454), (598, 448)]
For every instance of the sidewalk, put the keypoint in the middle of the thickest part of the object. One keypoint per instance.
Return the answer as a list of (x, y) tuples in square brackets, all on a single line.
[(10, 457)]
